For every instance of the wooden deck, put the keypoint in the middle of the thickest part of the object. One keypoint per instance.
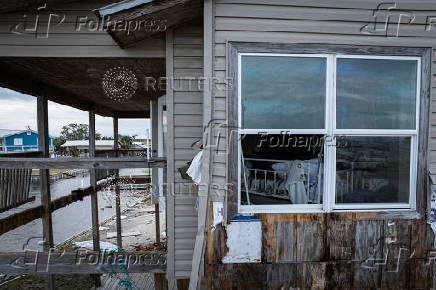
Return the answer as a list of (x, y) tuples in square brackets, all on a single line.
[(143, 281)]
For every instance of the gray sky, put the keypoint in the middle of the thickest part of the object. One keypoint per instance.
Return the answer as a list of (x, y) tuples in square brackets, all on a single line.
[(17, 111)]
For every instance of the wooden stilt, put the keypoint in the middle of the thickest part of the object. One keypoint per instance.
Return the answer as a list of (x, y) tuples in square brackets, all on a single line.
[(157, 221), (43, 146), (94, 197), (154, 107), (117, 189)]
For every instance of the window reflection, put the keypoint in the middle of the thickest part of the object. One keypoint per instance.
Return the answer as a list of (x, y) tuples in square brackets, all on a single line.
[(373, 170), (376, 93), (281, 92), (281, 169)]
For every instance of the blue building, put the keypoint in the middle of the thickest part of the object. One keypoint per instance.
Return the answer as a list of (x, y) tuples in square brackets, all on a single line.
[(20, 140)]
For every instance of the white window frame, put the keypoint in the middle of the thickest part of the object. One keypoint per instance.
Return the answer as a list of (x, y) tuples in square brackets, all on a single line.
[(328, 203), (18, 141)]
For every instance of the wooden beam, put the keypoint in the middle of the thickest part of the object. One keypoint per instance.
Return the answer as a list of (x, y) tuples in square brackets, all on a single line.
[(170, 208), (21, 218), (117, 190), (44, 179), (94, 196), (82, 163), (197, 271), (43, 144), (154, 107), (80, 262)]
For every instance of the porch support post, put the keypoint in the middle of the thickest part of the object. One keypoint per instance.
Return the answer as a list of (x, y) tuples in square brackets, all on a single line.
[(117, 188), (197, 272), (94, 197), (44, 177), (154, 106)]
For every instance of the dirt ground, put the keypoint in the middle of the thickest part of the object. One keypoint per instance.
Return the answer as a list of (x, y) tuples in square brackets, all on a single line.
[(139, 218)]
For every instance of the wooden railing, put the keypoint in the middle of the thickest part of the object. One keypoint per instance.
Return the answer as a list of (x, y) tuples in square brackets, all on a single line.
[(15, 183), (104, 173)]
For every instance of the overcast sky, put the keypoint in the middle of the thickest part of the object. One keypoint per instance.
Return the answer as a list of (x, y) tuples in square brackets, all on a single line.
[(17, 111)]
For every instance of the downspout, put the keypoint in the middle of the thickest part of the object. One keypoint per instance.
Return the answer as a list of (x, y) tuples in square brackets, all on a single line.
[(197, 271)]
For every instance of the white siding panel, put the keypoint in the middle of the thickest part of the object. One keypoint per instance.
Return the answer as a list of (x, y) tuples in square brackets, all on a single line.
[(189, 97), (188, 50), (186, 132), (305, 13), (188, 120), (355, 4)]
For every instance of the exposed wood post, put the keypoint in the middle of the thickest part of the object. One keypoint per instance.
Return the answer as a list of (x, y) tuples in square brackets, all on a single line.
[(154, 107), (197, 272), (44, 179), (117, 188), (171, 167), (94, 196)]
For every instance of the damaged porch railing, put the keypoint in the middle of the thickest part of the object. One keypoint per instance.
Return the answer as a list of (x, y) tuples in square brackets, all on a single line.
[(103, 173), (15, 183), (22, 163)]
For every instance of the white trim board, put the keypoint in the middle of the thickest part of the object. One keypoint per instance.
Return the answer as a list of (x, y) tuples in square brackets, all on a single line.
[(329, 194)]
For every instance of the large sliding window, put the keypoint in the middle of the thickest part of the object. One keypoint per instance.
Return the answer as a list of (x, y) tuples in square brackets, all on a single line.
[(322, 132)]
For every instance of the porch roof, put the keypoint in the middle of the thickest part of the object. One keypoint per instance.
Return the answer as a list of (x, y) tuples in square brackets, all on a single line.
[(77, 82), (157, 16)]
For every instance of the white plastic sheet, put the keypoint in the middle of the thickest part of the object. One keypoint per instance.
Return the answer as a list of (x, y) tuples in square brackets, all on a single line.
[(194, 170)]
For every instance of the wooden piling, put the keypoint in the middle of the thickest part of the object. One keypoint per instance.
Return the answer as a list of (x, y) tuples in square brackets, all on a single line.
[(94, 196), (154, 107), (117, 189), (43, 146)]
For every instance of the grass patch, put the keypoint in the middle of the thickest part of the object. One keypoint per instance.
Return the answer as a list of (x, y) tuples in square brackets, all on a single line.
[(64, 281), (147, 200)]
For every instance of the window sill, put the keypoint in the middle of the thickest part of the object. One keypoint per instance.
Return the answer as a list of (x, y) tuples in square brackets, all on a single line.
[(360, 214)]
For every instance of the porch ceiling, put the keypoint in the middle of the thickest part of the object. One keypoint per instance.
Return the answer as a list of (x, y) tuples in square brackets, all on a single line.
[(77, 82)]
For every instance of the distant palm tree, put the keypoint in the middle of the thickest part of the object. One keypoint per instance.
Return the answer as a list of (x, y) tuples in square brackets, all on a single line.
[(125, 141)]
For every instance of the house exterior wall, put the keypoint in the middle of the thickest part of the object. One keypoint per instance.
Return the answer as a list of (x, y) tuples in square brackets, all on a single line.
[(30, 142), (335, 22), (320, 250), (69, 38), (184, 117)]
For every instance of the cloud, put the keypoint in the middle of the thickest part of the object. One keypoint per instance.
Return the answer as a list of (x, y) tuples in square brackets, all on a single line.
[(17, 111)]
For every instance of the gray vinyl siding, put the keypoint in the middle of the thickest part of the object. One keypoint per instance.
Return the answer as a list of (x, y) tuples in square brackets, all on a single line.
[(186, 112), (64, 40), (313, 21)]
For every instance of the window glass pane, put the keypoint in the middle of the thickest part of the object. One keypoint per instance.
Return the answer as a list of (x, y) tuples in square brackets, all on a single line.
[(373, 170), (283, 92), (281, 169), (376, 94)]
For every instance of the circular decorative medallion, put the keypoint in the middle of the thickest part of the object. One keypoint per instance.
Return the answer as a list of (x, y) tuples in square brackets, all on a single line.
[(119, 83)]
